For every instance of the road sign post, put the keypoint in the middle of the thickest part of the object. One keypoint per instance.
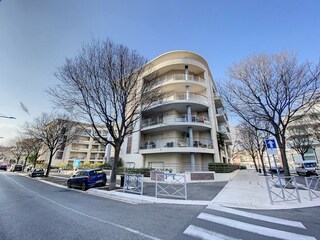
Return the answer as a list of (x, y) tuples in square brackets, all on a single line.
[(272, 149)]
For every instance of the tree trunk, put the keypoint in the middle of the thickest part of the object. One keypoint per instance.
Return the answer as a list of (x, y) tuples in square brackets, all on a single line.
[(113, 178), (255, 164), (263, 166), (49, 164), (283, 156), (25, 161)]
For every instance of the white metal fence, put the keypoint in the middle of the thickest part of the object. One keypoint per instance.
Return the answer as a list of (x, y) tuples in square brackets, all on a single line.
[(171, 185), (313, 185), (133, 183), (282, 188)]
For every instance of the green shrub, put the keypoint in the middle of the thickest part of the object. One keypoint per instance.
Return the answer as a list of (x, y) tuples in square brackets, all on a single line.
[(222, 167), (243, 167), (144, 171)]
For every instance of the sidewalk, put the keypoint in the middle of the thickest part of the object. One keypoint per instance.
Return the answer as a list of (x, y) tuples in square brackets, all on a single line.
[(249, 190)]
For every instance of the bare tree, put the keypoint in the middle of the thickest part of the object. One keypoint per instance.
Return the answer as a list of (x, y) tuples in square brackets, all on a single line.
[(272, 89), (107, 84), (52, 131), (18, 150), (247, 142), (300, 139), (31, 146), (252, 141), (27, 147)]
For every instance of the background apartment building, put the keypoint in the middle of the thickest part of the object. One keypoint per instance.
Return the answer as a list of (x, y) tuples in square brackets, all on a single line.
[(83, 147), (305, 132), (188, 127)]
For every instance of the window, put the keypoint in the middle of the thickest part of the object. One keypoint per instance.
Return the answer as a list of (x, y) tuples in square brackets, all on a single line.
[(130, 164), (59, 155), (129, 144)]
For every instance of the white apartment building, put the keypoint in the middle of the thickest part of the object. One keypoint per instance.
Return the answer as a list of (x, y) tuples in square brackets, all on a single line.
[(307, 127), (188, 128), (83, 147)]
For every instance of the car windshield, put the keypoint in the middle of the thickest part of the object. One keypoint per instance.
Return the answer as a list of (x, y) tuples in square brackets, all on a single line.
[(97, 171), (309, 165)]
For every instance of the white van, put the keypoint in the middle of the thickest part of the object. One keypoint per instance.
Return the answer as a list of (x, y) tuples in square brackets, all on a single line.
[(306, 168)]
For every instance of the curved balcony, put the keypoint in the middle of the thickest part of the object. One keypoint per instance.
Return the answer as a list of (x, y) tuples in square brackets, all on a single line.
[(182, 77), (197, 101), (201, 145), (171, 121)]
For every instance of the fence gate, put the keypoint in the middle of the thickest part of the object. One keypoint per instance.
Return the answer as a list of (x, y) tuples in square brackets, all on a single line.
[(282, 189), (171, 185), (133, 183), (313, 186)]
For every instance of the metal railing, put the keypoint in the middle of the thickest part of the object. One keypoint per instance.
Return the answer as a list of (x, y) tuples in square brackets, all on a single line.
[(177, 142), (171, 185), (181, 76), (133, 183), (169, 119), (313, 186), (282, 188), (183, 96)]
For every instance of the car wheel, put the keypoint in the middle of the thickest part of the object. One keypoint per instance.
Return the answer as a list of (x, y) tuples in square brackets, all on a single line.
[(69, 184), (84, 186), (102, 184)]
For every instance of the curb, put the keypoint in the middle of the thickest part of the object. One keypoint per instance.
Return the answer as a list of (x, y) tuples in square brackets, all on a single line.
[(126, 197)]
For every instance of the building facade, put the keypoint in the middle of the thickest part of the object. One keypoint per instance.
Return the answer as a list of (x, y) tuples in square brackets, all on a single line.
[(186, 129), (83, 148), (305, 134)]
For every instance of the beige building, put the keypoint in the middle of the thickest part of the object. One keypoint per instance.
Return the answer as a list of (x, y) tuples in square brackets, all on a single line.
[(186, 129), (83, 147)]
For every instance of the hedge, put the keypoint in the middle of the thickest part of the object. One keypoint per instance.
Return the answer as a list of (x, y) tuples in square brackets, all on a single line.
[(222, 167), (144, 171)]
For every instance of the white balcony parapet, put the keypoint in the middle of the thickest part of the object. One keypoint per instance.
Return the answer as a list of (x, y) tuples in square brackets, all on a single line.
[(170, 119), (177, 77), (177, 143), (181, 96)]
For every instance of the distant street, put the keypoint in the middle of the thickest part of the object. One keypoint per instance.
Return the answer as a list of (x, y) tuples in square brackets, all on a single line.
[(31, 209)]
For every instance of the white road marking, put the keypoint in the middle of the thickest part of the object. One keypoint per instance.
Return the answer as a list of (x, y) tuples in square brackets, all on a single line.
[(254, 228), (88, 216), (258, 216), (205, 234)]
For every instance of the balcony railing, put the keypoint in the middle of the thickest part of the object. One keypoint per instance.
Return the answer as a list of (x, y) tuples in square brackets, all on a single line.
[(177, 142), (169, 119), (223, 129), (175, 77), (183, 96), (79, 149)]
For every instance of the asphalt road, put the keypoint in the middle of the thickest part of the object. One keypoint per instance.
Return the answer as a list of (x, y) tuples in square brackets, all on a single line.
[(34, 210)]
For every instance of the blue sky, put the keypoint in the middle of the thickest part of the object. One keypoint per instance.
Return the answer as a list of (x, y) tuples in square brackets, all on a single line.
[(37, 35)]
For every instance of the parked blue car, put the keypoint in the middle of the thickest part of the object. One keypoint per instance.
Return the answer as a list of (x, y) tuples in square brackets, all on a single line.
[(87, 178)]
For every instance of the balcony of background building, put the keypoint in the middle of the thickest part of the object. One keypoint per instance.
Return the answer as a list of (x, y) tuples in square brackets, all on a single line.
[(82, 133), (79, 149), (221, 115)]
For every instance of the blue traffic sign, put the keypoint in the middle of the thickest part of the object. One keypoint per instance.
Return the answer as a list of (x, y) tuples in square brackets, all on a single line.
[(271, 143)]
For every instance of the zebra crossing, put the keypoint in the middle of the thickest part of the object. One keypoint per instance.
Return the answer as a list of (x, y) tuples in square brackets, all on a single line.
[(243, 225)]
